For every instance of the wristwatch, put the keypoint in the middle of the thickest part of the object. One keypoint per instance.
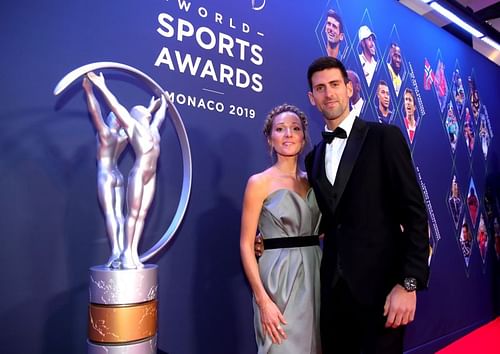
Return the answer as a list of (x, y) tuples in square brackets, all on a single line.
[(410, 284)]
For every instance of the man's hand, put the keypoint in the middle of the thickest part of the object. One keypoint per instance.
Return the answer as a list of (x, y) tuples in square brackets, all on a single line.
[(258, 246), (400, 307)]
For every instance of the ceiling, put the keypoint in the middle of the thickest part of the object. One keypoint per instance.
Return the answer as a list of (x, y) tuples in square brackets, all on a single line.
[(485, 12)]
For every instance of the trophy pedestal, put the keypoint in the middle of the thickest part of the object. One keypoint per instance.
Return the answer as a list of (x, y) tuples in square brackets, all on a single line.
[(123, 310), (144, 347)]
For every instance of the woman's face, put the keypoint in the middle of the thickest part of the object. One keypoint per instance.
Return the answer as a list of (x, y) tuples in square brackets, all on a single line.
[(287, 134)]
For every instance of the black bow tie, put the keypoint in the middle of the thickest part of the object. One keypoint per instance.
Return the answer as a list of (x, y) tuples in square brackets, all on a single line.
[(337, 133)]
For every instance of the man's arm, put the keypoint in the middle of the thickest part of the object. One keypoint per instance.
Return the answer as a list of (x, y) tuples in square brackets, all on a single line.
[(400, 304), (411, 208)]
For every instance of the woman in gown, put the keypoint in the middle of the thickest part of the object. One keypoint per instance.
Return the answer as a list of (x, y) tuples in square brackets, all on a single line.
[(280, 204)]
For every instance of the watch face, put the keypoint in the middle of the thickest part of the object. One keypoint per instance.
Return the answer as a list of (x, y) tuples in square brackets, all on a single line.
[(410, 284)]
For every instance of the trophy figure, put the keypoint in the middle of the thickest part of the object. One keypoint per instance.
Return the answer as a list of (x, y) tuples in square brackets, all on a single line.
[(111, 141), (123, 291), (143, 134)]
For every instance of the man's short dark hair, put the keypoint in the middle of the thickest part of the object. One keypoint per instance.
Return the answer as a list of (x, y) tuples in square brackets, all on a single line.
[(383, 83), (336, 16), (323, 63), (410, 91)]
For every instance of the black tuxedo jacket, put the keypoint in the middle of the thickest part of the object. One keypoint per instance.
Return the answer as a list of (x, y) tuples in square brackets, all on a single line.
[(374, 216)]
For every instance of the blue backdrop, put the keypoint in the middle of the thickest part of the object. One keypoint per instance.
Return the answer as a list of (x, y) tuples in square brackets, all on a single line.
[(225, 64)]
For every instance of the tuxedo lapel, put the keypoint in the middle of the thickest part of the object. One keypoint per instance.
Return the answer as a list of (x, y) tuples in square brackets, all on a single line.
[(349, 157)]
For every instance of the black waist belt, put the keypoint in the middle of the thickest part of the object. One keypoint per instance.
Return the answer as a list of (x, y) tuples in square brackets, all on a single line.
[(290, 242)]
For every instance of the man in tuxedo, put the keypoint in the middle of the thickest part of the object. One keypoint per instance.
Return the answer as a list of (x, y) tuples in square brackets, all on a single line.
[(376, 244)]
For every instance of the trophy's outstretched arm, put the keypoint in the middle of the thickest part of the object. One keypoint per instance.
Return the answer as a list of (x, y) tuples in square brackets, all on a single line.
[(94, 108), (116, 107), (159, 116)]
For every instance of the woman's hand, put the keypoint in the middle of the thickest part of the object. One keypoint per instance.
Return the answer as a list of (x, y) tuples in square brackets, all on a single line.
[(272, 320)]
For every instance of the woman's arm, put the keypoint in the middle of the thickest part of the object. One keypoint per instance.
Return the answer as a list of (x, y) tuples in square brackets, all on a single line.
[(271, 316)]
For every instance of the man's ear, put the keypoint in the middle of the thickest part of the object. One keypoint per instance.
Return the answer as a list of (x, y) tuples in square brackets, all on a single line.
[(311, 98), (349, 89)]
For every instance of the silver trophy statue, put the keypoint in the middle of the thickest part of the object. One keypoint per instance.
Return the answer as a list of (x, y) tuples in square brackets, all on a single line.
[(141, 126), (123, 291)]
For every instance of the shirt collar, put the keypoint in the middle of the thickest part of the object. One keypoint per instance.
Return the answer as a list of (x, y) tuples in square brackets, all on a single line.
[(347, 123)]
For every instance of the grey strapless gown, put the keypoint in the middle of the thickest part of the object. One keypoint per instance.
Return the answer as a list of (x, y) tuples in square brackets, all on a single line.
[(291, 275)]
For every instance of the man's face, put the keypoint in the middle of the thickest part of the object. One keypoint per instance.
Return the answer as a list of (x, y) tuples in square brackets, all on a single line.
[(332, 30), (330, 94), (409, 104), (368, 45), (383, 96), (396, 59)]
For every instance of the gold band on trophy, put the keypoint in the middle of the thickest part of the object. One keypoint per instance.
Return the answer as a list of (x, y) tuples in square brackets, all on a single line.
[(116, 324)]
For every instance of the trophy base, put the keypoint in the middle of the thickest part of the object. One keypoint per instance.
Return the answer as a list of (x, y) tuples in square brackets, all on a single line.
[(144, 347), (123, 310), (110, 286)]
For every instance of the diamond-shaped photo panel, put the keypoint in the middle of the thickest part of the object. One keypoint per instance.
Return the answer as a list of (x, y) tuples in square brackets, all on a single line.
[(469, 133), (368, 50), (451, 126), (472, 202), (383, 103), (411, 120), (475, 102), (485, 133), (482, 238), (465, 241), (395, 63), (455, 202), (458, 90), (440, 83), (331, 32)]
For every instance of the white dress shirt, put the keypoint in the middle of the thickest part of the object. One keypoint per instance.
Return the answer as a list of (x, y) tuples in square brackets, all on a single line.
[(334, 150)]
